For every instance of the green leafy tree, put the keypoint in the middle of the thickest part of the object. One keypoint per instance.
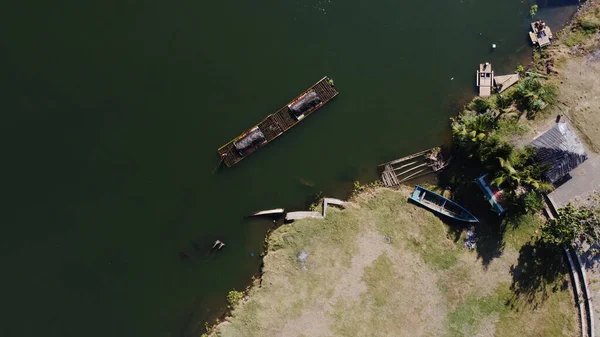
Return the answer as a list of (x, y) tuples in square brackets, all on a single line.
[(573, 224)]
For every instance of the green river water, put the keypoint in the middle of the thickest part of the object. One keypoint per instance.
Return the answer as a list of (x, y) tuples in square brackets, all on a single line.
[(113, 111)]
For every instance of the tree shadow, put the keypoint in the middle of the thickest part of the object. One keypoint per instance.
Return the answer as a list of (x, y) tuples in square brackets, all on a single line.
[(539, 267), (459, 178), (490, 240)]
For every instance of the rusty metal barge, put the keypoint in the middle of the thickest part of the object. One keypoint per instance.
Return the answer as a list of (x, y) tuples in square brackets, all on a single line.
[(276, 124)]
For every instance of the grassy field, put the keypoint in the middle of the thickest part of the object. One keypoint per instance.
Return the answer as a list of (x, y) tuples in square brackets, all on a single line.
[(385, 267)]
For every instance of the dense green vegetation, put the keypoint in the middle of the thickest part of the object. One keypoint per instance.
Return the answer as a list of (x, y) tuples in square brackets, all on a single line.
[(573, 226), (482, 136), (533, 94)]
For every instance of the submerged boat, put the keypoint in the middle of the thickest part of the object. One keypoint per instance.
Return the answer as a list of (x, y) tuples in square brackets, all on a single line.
[(441, 205), (398, 171), (276, 124)]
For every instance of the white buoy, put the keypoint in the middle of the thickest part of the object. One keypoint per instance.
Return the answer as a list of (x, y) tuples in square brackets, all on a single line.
[(494, 46)]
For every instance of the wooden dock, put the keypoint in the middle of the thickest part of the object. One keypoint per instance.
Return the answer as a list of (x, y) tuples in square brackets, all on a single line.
[(540, 34), (291, 216), (276, 124), (398, 171), (503, 82), (485, 79)]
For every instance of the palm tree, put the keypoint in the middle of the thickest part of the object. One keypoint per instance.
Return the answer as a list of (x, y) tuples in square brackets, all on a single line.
[(535, 94), (507, 174), (525, 175)]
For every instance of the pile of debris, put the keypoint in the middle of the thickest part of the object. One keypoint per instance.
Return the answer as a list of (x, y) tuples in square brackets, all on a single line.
[(436, 160), (471, 239)]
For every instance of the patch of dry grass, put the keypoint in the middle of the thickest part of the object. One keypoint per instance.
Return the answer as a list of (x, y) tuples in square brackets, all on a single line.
[(386, 267)]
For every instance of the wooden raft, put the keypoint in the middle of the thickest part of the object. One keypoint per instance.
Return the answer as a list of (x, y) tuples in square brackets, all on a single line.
[(540, 34), (398, 171), (276, 124)]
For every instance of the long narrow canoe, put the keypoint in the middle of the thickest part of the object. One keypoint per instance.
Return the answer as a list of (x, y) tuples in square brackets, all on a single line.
[(441, 205), (276, 124)]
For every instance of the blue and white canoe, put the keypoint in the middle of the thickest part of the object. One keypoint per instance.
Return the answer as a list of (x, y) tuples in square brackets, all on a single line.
[(441, 205)]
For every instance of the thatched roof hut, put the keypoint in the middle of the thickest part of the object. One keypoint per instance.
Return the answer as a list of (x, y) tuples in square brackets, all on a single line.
[(559, 149)]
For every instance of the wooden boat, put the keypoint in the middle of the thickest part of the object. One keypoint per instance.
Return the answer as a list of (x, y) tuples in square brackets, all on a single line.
[(276, 124), (492, 194), (441, 205), (275, 211)]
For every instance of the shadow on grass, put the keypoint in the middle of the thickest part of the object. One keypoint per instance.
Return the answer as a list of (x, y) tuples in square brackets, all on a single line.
[(490, 240), (536, 273), (460, 179)]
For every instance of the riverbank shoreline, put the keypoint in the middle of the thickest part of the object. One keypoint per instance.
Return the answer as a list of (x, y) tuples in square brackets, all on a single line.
[(536, 124), (348, 274)]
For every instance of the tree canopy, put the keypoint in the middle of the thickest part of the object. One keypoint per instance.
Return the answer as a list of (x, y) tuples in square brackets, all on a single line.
[(574, 225)]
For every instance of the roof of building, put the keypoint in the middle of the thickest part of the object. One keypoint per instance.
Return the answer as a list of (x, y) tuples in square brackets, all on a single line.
[(559, 149)]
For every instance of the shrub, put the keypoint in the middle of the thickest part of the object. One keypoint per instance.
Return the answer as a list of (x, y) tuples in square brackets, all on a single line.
[(234, 297), (504, 101), (574, 38), (533, 10), (530, 202), (589, 26), (590, 23), (481, 105), (520, 69)]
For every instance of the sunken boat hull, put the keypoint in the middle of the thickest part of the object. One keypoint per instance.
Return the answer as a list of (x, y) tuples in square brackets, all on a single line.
[(441, 205), (276, 124)]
